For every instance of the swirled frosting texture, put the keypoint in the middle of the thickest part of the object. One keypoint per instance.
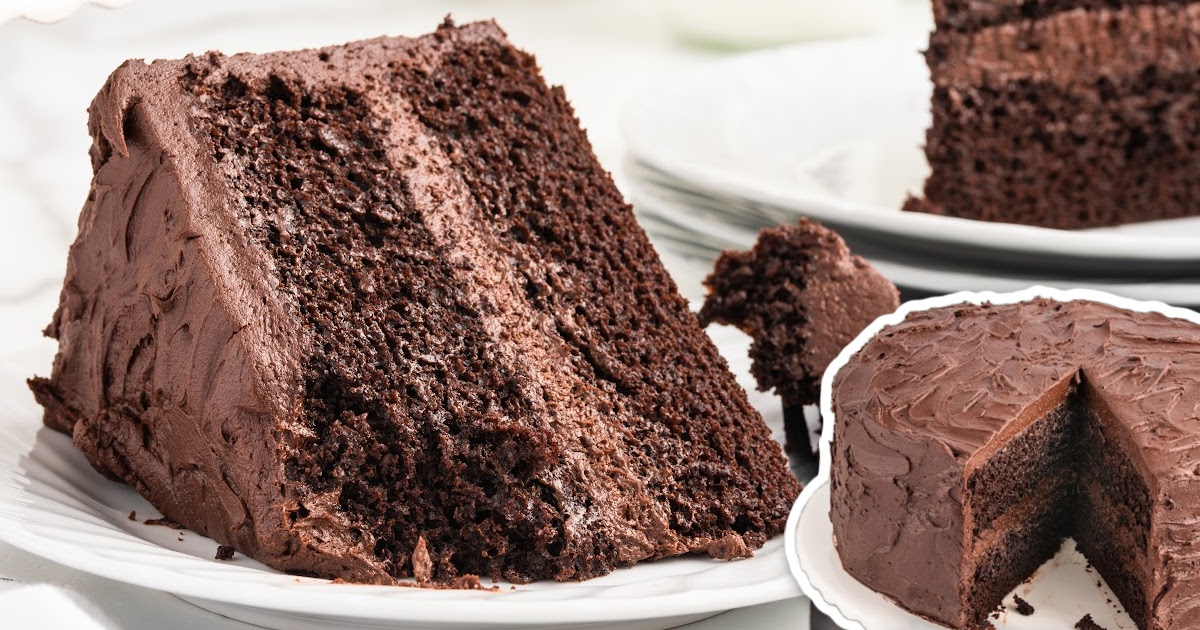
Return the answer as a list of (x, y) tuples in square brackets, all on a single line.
[(924, 400)]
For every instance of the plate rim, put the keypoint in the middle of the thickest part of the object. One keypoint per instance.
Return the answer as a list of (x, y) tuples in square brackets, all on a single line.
[(637, 115)]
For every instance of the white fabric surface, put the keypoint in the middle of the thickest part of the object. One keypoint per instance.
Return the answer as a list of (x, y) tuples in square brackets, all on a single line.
[(48, 607)]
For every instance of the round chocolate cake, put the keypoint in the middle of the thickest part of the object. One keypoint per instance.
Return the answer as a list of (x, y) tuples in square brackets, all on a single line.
[(970, 440)]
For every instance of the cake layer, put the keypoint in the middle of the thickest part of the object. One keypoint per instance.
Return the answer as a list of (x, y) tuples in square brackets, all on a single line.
[(1038, 155), (1032, 456), (1006, 556), (973, 15), (421, 317), (1105, 536), (1076, 50)]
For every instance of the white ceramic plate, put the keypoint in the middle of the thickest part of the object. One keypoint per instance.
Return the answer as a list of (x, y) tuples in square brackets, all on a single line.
[(685, 228), (834, 131), (53, 504), (1062, 591)]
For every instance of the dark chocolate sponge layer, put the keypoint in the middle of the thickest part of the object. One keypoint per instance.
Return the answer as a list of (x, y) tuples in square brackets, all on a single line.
[(334, 307)]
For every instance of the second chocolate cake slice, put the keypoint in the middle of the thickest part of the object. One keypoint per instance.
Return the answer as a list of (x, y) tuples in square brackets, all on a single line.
[(1064, 113)]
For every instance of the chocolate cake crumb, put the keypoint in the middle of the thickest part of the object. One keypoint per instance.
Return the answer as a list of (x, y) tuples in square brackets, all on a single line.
[(224, 552), (1088, 624), (163, 522), (1023, 607), (470, 583), (802, 295), (422, 563), (730, 547), (133, 515)]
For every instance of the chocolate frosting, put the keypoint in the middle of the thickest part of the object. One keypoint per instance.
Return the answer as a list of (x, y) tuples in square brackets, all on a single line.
[(926, 400), (1072, 50), (176, 355)]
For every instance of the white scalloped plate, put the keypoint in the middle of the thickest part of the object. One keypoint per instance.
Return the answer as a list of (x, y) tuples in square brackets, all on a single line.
[(1062, 591), (834, 131), (53, 504)]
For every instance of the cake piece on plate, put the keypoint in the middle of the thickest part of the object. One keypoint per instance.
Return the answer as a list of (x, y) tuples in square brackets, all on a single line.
[(970, 440), (336, 307), (802, 296), (1064, 114)]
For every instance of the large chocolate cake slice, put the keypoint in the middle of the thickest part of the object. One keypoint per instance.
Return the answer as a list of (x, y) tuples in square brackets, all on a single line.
[(1064, 113), (332, 307)]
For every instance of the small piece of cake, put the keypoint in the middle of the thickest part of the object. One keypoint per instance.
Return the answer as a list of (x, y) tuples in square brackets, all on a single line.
[(970, 440), (802, 296), (375, 311), (1064, 113)]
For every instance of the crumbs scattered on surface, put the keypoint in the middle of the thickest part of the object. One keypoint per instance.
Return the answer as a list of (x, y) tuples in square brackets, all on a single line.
[(163, 522), (224, 552), (133, 515), (422, 564), (731, 547), (1087, 624), (461, 583), (1023, 608)]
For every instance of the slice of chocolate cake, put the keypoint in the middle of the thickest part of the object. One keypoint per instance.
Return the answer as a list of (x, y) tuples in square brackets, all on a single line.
[(336, 307), (802, 296), (1064, 113)]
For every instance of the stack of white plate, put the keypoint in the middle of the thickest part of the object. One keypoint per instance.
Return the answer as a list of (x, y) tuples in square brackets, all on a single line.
[(834, 131)]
